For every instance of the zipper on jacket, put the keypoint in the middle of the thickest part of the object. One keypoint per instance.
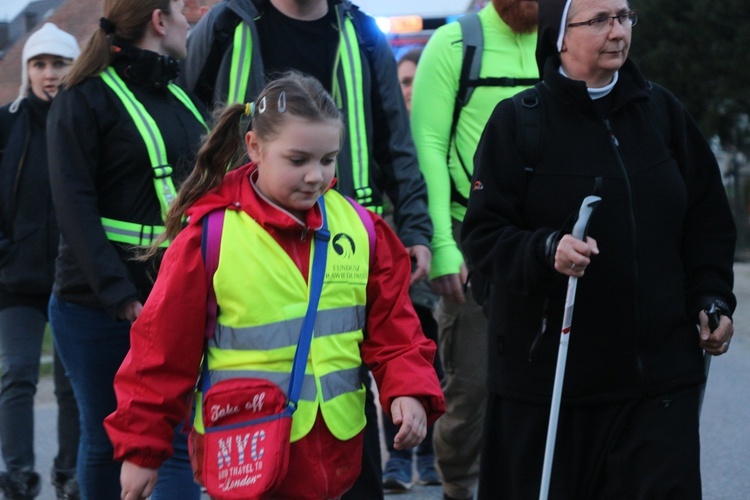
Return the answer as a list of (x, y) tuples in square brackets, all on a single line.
[(537, 342), (636, 281)]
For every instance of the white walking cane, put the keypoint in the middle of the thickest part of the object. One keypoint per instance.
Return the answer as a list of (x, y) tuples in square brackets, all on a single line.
[(579, 232), (713, 324)]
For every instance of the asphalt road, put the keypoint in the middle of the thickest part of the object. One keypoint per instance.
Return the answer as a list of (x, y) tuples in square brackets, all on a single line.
[(725, 422)]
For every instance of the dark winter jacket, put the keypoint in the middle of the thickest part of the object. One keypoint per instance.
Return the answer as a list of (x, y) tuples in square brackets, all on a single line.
[(663, 227), (99, 167), (393, 167), (28, 230)]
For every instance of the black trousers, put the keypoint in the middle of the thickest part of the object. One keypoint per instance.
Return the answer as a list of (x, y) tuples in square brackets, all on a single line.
[(644, 449), (369, 484)]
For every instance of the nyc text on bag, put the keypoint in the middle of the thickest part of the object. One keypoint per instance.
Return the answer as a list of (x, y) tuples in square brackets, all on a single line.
[(246, 444)]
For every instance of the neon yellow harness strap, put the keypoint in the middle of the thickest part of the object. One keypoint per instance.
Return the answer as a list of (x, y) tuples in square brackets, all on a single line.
[(131, 233), (239, 72), (128, 232), (351, 64)]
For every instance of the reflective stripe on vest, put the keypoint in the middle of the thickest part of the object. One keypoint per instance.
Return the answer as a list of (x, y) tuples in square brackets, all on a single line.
[(285, 333), (262, 298), (130, 232), (239, 72)]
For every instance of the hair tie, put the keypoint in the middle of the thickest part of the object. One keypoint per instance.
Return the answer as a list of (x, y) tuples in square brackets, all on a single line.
[(281, 104), (106, 25), (248, 109)]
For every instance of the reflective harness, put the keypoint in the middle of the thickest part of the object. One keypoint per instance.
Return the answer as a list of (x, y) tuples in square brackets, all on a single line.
[(132, 233), (349, 99)]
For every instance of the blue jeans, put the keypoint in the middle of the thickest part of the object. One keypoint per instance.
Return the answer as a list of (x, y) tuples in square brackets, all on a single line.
[(92, 346)]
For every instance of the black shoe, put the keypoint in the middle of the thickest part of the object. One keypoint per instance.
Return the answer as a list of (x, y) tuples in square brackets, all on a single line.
[(66, 485), (20, 485)]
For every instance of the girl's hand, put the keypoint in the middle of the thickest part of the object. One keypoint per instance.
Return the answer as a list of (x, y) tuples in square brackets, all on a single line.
[(409, 414), (137, 482)]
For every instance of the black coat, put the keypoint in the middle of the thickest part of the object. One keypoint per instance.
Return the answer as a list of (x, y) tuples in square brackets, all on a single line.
[(28, 230), (99, 167), (664, 230)]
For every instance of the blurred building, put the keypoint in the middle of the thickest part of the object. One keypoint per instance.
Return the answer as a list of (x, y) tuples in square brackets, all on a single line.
[(78, 17), (25, 21), (410, 23)]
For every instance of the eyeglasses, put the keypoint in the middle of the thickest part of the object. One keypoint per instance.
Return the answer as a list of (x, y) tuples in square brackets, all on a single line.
[(605, 23)]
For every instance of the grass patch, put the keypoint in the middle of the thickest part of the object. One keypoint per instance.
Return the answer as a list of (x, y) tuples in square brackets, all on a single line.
[(47, 366)]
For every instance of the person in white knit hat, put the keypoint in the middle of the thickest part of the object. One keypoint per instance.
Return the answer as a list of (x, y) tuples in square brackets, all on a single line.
[(28, 246), (47, 56)]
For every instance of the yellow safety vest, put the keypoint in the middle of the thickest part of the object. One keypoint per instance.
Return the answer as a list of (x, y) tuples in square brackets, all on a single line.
[(262, 299)]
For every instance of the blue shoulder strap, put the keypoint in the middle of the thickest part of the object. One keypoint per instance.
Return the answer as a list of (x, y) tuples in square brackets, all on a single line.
[(322, 237), (210, 244)]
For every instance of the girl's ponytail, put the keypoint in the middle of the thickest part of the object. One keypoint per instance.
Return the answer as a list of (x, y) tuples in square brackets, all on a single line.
[(222, 150)]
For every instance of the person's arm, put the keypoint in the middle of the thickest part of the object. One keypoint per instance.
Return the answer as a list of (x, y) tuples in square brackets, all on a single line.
[(709, 236), (395, 349), (75, 139), (433, 97), (492, 234), (394, 149), (159, 372), (199, 42)]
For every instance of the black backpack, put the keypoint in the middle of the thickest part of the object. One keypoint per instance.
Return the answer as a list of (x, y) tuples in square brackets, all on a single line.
[(469, 79)]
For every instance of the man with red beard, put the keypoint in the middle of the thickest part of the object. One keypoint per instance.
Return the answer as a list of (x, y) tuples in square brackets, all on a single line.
[(445, 157)]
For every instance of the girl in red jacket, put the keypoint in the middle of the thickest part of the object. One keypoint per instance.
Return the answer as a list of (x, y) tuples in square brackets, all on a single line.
[(295, 135)]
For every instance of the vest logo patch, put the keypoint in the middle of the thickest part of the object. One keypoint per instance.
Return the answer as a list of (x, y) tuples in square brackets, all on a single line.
[(343, 244), (344, 270)]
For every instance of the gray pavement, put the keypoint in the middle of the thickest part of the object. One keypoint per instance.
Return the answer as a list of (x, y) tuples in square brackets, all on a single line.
[(725, 422)]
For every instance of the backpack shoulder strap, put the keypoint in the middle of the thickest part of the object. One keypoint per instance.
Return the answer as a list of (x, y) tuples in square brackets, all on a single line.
[(213, 225), (472, 41), (530, 127), (471, 64)]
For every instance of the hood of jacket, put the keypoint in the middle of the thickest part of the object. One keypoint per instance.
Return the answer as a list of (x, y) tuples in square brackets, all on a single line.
[(237, 192)]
